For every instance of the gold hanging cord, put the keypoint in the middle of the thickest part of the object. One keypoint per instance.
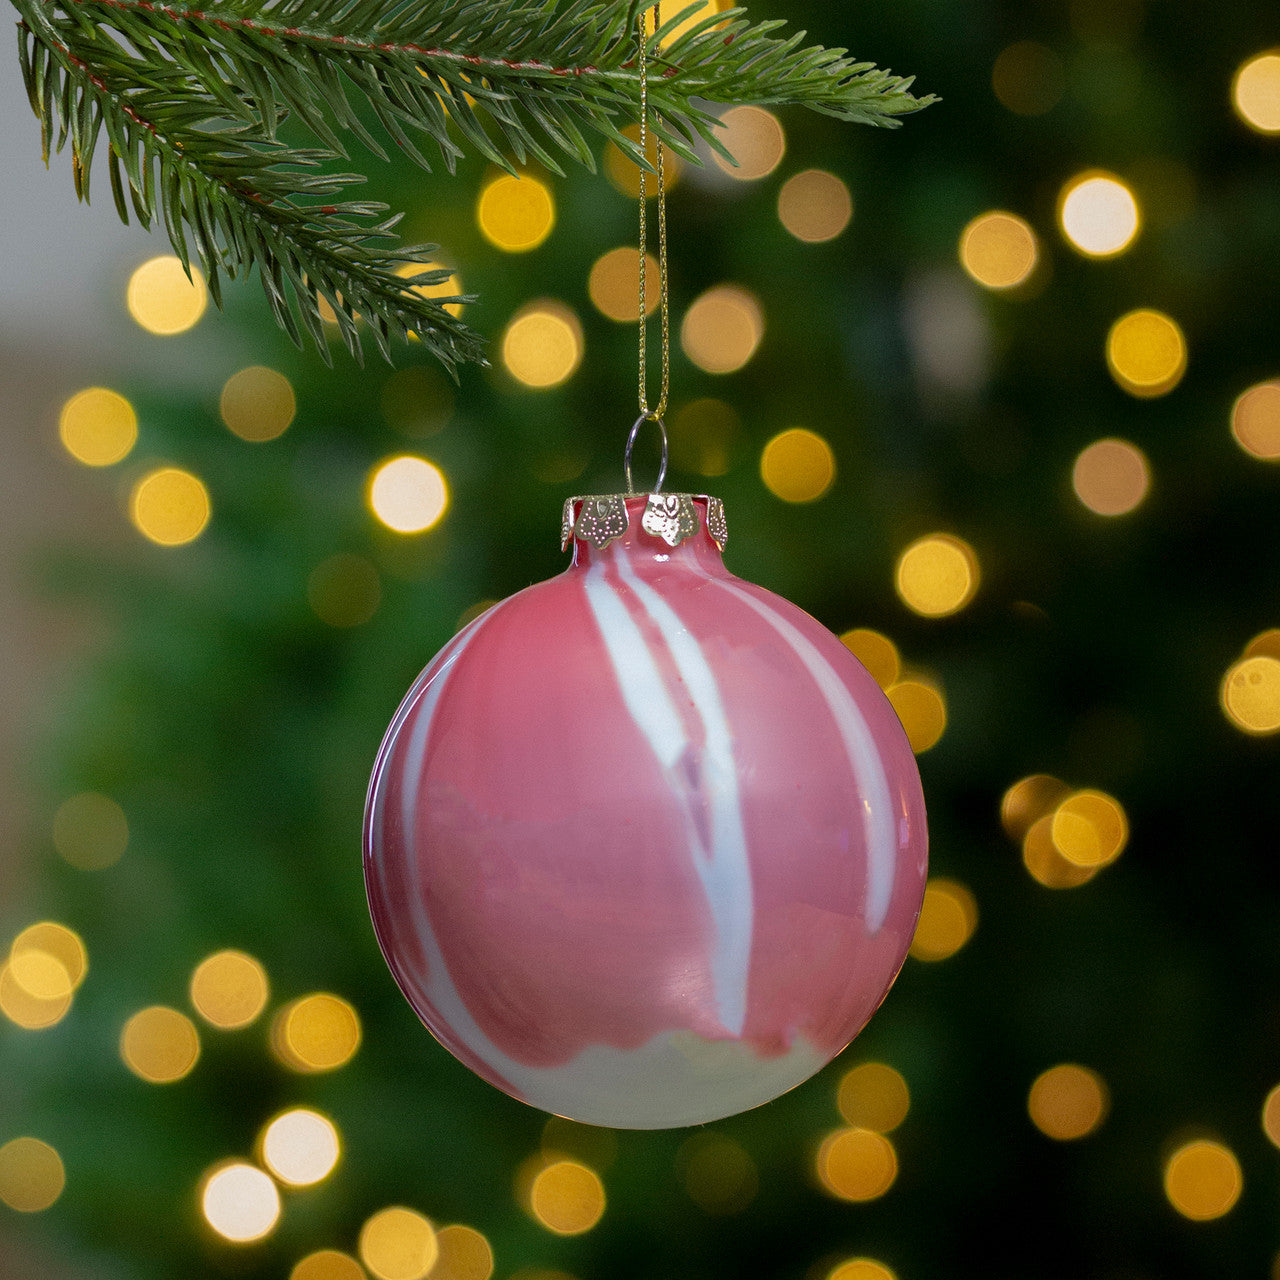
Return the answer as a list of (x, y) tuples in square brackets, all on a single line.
[(645, 412)]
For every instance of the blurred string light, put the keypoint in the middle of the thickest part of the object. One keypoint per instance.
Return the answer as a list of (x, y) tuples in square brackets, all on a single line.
[(542, 344), (1111, 477), (861, 1269), (1068, 1102), (98, 426), (1028, 78), (567, 1198), (318, 1032), (876, 652), (667, 9), (48, 961), (240, 1202), (1090, 829), (718, 1173), (398, 1244), (1028, 800), (162, 299), (300, 1146), (754, 137), (856, 1164), (1044, 860), (873, 1096), (408, 494), (1271, 1116), (25, 1010), (921, 709), (229, 990), (464, 1254), (1066, 835), (1255, 421), (1255, 92), (937, 575), (798, 465), (624, 173), (449, 287), (722, 329), (1250, 694), (815, 206), (417, 402), (516, 213), (999, 250), (257, 404), (90, 831), (345, 590), (160, 1045), (32, 1176), (948, 918), (170, 506), (1202, 1180), (328, 1264), (703, 436), (1146, 353), (1098, 213), (614, 284), (1264, 644)]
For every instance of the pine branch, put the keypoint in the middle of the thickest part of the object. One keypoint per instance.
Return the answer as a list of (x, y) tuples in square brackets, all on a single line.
[(192, 99)]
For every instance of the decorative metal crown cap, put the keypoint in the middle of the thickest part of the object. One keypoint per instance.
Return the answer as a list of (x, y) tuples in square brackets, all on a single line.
[(673, 517)]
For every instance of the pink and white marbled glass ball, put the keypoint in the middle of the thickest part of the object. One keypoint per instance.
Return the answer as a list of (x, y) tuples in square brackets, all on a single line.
[(645, 844)]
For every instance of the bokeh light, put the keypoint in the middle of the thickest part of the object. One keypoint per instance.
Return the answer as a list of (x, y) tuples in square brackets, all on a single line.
[(229, 989), (1111, 477), (624, 174), (1146, 353), (948, 918), (408, 494), (398, 1244), (921, 709), (240, 1202), (1264, 644), (98, 426), (542, 345), (328, 1264), (873, 1096), (722, 329), (301, 1147), (567, 1198), (861, 1269), (1250, 694), (32, 1176), (90, 831), (169, 506), (1098, 213), (48, 960), (754, 137), (815, 206), (465, 1254), (1068, 1102), (937, 575), (703, 434), (1044, 861), (257, 403), (718, 1173), (1028, 78), (614, 284), (1255, 421), (1203, 1180), (162, 299), (1090, 829), (667, 9), (319, 1032), (516, 214), (1028, 800), (876, 652), (856, 1164), (1271, 1116), (798, 465), (449, 287), (999, 250), (25, 1010), (160, 1045), (345, 590), (1255, 92)]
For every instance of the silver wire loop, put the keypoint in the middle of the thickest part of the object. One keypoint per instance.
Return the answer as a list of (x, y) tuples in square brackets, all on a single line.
[(631, 440)]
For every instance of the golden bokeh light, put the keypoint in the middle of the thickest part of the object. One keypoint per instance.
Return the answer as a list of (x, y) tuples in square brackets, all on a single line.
[(798, 465), (1098, 213), (542, 345), (319, 1032), (614, 284), (873, 1096), (240, 1202), (948, 918), (48, 961), (937, 575), (301, 1147), (1044, 861), (1255, 421), (668, 9), (754, 137), (718, 1173), (465, 1254), (257, 404), (25, 1010), (567, 1198), (32, 1176), (624, 173), (229, 989), (398, 1244), (1146, 353), (1111, 477), (449, 287), (856, 1164), (815, 206), (1271, 1116), (328, 1264), (1264, 644), (1203, 1180), (169, 506), (1255, 92), (999, 250), (516, 214), (1090, 829), (876, 652), (162, 299), (408, 494), (160, 1045), (1250, 694), (1028, 78), (703, 433), (90, 831), (345, 590), (921, 709), (1028, 800), (861, 1269), (1068, 1102), (98, 427), (722, 329)]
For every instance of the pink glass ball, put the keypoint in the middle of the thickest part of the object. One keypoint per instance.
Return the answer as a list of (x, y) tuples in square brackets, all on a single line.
[(645, 844)]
